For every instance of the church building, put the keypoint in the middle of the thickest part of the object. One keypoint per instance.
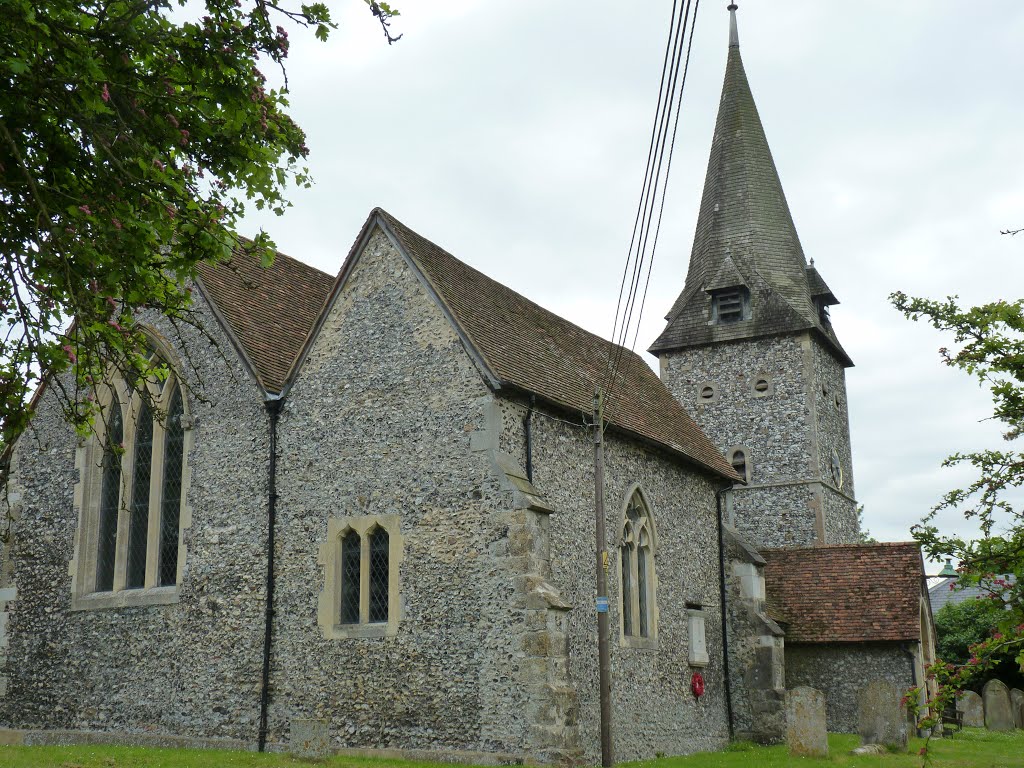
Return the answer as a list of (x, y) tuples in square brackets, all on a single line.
[(364, 504)]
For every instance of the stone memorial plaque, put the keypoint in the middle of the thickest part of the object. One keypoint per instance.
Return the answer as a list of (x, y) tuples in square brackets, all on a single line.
[(1017, 707), (996, 696), (881, 715), (971, 705), (805, 723), (310, 738)]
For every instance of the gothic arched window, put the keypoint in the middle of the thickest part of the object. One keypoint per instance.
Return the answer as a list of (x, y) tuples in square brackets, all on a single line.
[(133, 478), (636, 557)]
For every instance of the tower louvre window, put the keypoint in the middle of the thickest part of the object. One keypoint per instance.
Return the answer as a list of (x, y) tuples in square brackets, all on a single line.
[(730, 306)]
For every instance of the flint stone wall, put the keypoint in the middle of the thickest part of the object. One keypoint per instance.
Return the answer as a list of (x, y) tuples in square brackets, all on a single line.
[(840, 670), (653, 707), (191, 668), (788, 433), (756, 649), (381, 421), (494, 652)]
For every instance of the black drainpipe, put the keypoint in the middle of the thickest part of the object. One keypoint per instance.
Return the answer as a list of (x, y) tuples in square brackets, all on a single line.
[(274, 411), (527, 428), (725, 622)]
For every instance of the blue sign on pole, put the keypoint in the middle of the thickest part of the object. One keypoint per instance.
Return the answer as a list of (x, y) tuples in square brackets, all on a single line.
[(602, 605)]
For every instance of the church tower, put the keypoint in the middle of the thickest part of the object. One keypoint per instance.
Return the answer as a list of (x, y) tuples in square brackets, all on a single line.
[(749, 349)]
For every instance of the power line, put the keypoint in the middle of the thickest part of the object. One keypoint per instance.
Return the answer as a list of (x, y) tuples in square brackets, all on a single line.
[(642, 246)]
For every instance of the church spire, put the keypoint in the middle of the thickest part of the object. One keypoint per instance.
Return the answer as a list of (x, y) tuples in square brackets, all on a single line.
[(744, 220)]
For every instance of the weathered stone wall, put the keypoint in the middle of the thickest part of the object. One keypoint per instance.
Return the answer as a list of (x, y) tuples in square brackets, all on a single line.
[(775, 516), (389, 416), (840, 670), (833, 428), (756, 648), (188, 668), (787, 426), (653, 708)]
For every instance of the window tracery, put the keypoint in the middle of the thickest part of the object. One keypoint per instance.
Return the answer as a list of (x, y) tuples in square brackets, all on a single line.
[(131, 497), (636, 559)]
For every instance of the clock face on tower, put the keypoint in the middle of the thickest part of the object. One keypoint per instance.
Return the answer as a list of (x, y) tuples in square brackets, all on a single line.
[(837, 469)]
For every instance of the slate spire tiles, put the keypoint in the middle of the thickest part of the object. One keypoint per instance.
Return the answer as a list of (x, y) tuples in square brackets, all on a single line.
[(745, 230)]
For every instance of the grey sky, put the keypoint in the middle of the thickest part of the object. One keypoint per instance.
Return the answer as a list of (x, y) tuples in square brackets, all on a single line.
[(514, 133)]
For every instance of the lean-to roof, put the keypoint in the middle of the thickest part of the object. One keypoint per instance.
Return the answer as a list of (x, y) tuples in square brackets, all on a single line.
[(847, 593)]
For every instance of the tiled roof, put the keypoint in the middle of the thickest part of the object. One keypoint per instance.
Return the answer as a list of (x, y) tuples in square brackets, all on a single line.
[(847, 593), (270, 311), (744, 218), (527, 348)]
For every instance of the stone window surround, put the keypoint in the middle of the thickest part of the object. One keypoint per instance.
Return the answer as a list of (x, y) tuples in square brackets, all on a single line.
[(88, 462), (329, 604), (635, 640), (770, 389), (701, 400), (748, 467)]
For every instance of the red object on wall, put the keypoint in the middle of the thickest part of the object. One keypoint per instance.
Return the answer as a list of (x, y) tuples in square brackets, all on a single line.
[(697, 684)]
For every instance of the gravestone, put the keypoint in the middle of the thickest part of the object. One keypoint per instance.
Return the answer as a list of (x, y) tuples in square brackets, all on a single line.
[(997, 706), (1017, 707), (310, 738), (882, 715), (805, 723), (973, 708)]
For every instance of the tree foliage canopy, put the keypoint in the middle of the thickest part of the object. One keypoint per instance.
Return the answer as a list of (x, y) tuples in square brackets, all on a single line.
[(990, 346), (133, 135)]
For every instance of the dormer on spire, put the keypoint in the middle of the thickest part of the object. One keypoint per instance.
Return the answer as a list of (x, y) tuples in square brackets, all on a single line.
[(744, 219)]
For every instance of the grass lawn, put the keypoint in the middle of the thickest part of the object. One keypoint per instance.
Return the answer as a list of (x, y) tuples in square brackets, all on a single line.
[(974, 748)]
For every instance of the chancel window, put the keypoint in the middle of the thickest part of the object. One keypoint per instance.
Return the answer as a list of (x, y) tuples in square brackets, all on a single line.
[(361, 558), (132, 478), (730, 306), (636, 561)]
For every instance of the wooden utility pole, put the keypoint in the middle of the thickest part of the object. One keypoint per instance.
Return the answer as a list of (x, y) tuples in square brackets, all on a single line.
[(603, 651)]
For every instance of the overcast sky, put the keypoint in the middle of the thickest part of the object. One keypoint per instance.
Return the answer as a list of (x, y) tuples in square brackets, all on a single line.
[(514, 134)]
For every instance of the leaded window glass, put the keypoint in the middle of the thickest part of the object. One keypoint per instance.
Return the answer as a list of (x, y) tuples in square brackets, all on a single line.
[(351, 556), (642, 557), (138, 525), (378, 575), (110, 494), (627, 586), (170, 504), (134, 491), (637, 560)]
